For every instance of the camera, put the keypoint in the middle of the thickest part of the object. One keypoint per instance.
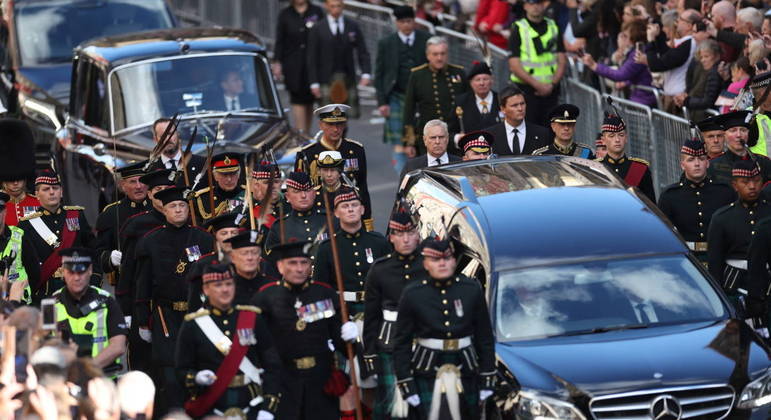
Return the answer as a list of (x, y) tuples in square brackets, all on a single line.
[(701, 26)]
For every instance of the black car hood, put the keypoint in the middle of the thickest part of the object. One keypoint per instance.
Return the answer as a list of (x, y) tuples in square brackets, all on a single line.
[(53, 79), (698, 353)]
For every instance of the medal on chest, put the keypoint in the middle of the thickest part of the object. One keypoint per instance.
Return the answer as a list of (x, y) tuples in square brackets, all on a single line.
[(73, 224), (246, 337), (193, 253), (181, 267), (459, 308), (370, 257), (313, 312)]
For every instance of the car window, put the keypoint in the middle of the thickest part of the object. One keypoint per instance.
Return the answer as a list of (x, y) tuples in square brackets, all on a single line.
[(48, 31), (577, 298)]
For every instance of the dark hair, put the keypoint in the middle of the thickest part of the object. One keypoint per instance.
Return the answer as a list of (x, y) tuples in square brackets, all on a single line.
[(637, 30), (608, 14), (160, 121), (692, 4), (508, 92), (743, 63)]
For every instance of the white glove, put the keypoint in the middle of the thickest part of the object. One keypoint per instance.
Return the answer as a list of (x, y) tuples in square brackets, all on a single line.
[(127, 319), (483, 394), (264, 415), (413, 400), (205, 377), (349, 331), (115, 257), (146, 335)]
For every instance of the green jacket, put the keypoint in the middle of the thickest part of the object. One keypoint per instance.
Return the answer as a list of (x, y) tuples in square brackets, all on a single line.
[(387, 61)]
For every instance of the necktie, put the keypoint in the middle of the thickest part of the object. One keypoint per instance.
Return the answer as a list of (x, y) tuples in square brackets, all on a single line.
[(515, 142), (172, 164), (485, 110), (437, 162), (643, 316), (339, 27), (232, 104)]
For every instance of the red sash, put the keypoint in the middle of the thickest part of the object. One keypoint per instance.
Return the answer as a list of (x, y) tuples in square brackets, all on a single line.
[(635, 173), (54, 261), (198, 407), (269, 219)]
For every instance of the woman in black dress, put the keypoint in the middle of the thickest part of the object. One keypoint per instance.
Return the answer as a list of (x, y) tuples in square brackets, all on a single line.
[(292, 29)]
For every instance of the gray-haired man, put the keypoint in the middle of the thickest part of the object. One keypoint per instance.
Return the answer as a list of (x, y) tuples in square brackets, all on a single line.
[(435, 140)]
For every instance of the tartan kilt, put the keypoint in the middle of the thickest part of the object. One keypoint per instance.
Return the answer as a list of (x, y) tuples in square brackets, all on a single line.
[(386, 387), (469, 399), (393, 128)]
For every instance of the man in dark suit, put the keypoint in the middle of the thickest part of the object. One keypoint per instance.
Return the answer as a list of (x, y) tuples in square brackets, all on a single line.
[(478, 107), (435, 137), (513, 135), (231, 95), (171, 155), (331, 69), (397, 54)]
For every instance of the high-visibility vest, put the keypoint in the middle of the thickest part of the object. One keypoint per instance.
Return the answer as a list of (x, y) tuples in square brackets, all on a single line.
[(764, 130), (16, 271), (90, 330), (542, 67)]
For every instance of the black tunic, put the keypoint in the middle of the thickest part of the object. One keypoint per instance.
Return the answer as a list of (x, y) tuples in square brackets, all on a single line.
[(299, 226), (133, 229), (224, 202), (759, 256), (621, 167), (720, 168), (107, 227)]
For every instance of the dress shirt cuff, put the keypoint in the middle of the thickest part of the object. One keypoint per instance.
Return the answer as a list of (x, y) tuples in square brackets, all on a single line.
[(315, 85), (366, 76)]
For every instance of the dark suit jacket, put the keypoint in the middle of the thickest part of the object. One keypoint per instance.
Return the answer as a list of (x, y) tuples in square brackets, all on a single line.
[(387, 61), (321, 44), (194, 167), (535, 138), (473, 120), (216, 101), (421, 162)]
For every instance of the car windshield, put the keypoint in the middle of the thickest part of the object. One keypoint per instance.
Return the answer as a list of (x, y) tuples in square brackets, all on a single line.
[(224, 82), (599, 296), (48, 31)]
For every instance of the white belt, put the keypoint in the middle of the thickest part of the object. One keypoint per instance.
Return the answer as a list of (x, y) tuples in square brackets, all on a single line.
[(353, 296), (740, 264), (439, 344), (390, 315)]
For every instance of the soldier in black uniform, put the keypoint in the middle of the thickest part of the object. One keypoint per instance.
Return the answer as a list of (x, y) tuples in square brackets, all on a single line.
[(713, 134), (332, 122), (304, 221), (476, 145), (732, 228), (245, 261), (114, 214), (690, 203), (266, 177), (759, 283), (52, 228), (563, 124), (302, 316), (386, 279), (736, 125), (164, 256), (634, 171), (445, 315), (206, 339), (228, 192), (222, 227)]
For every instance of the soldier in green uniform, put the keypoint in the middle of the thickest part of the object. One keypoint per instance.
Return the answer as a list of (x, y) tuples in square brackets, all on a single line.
[(736, 125), (386, 279), (444, 336), (228, 192), (563, 124), (245, 384), (634, 171), (332, 122), (431, 92)]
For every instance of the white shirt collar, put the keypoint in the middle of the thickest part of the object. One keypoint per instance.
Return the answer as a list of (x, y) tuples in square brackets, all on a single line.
[(488, 99), (443, 159), (165, 159), (333, 23)]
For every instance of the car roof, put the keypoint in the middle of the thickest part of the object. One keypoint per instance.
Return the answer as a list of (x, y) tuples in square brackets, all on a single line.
[(139, 46)]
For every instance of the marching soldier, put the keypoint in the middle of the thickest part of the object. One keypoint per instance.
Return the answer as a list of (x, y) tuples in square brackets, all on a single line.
[(114, 214), (736, 125), (91, 316), (446, 316), (690, 203), (17, 166), (714, 136), (634, 171), (386, 279), (49, 230), (266, 177), (222, 227), (228, 193), (245, 259), (563, 124), (164, 255), (332, 122), (732, 228), (302, 316), (11, 253), (430, 95), (225, 355), (330, 167), (476, 145)]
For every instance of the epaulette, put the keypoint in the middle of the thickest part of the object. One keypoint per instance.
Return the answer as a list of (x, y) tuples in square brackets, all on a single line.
[(80, 208), (541, 150), (597, 159), (250, 308), (201, 191), (101, 291), (110, 205), (422, 66), (317, 188), (199, 313), (265, 286), (457, 66), (152, 230), (322, 284), (643, 161), (354, 142), (383, 258), (31, 216)]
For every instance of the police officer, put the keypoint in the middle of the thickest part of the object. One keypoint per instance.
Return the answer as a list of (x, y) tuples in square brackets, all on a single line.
[(476, 145), (446, 316), (431, 92), (245, 259), (302, 316), (761, 121), (332, 122), (114, 214), (330, 168), (164, 256), (690, 203), (50, 229), (228, 192), (732, 228), (634, 171), (386, 279), (90, 315), (225, 355), (14, 260), (563, 124), (736, 125)]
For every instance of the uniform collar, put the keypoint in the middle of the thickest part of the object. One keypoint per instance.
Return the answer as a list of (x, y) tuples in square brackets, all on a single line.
[(566, 149), (355, 234), (296, 287), (443, 283), (685, 181), (48, 213), (305, 213), (218, 312), (21, 198), (329, 146), (410, 257), (134, 204), (618, 161), (751, 205)]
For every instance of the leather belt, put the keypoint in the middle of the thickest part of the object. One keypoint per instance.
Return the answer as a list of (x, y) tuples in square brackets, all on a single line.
[(305, 363), (697, 246), (179, 306), (439, 344), (353, 296), (390, 315), (740, 264)]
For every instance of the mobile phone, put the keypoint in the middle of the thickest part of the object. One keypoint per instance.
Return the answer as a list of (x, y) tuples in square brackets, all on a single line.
[(701, 26), (47, 306), (21, 368)]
